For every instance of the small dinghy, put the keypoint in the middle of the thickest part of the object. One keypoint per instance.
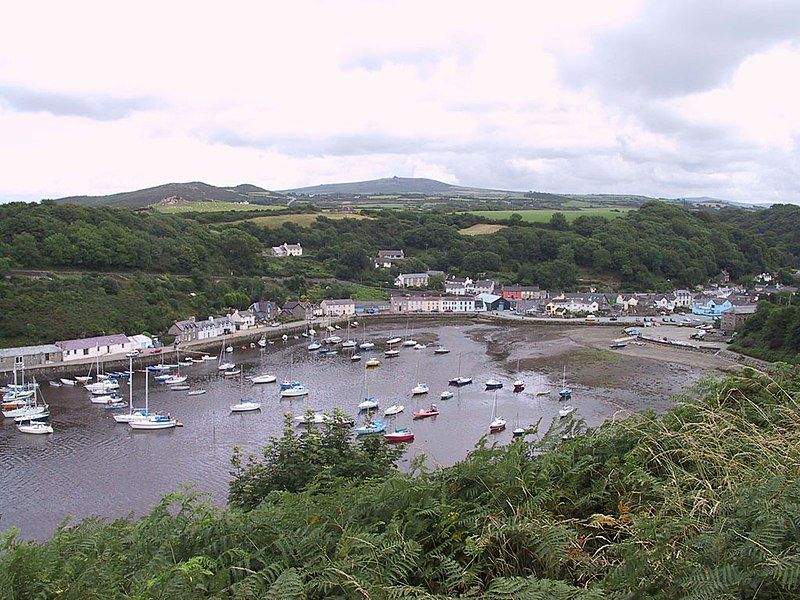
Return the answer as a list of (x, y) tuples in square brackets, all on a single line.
[(179, 388), (493, 384), (196, 392), (566, 411), (441, 350), (394, 409), (446, 395), (427, 412)]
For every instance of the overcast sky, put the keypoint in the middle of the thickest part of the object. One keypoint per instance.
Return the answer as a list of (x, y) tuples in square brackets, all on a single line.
[(666, 98)]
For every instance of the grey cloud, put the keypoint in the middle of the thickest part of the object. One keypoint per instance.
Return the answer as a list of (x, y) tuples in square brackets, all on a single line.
[(98, 108), (682, 46)]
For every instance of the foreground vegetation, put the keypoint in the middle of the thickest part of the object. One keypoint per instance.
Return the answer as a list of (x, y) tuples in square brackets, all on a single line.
[(702, 502)]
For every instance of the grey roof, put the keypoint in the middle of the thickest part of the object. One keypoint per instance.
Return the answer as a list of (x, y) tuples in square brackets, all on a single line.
[(102, 340), (29, 350), (414, 275), (390, 253), (742, 309), (338, 302)]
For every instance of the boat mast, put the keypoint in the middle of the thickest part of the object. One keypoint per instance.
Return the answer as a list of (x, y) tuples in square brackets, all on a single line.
[(130, 385)]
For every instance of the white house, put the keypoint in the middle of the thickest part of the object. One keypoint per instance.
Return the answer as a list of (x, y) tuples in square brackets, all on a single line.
[(242, 319), (338, 308), (484, 286), (405, 280), (214, 327), (95, 346), (461, 304), (459, 286), (287, 250), (387, 257), (573, 303)]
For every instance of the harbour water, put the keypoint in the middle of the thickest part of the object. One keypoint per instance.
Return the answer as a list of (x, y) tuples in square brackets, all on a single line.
[(94, 466)]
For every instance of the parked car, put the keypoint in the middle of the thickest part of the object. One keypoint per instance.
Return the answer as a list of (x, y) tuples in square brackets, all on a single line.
[(133, 354)]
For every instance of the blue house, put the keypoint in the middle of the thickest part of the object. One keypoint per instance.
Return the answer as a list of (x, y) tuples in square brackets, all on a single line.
[(713, 307)]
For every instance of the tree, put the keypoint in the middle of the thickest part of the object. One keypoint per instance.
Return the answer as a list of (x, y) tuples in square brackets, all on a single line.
[(558, 222)]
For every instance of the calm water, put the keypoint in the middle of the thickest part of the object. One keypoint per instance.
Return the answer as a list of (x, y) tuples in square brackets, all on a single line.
[(92, 465)]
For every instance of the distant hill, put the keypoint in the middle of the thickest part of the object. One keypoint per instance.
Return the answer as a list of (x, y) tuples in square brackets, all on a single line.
[(195, 190), (387, 185)]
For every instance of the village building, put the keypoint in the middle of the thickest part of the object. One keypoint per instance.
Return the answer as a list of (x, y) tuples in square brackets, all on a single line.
[(711, 307), (576, 303), (265, 311), (338, 308), (683, 298), (523, 292), (735, 316), (242, 319), (287, 250), (435, 304), (493, 302), (29, 356), (94, 347), (459, 286), (406, 280), (141, 341), (297, 310), (386, 258), (485, 286)]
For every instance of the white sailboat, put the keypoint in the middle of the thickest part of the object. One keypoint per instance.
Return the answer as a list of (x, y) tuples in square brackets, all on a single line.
[(134, 414), (246, 405), (420, 388), (458, 380), (365, 345), (409, 342), (224, 365), (565, 392), (35, 427), (498, 423), (256, 379), (151, 422)]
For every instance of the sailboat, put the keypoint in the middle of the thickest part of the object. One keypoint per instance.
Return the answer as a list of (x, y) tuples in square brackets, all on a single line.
[(246, 405), (459, 380), (35, 427), (148, 421), (519, 385), (223, 365), (256, 379), (177, 378), (392, 341), (565, 392), (566, 411), (30, 412), (518, 431), (292, 389), (540, 391), (420, 388), (134, 413), (394, 409), (365, 345), (368, 402), (349, 344), (498, 423), (493, 384), (371, 426), (409, 342)]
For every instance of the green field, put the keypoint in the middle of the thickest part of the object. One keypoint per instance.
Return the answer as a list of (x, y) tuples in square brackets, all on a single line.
[(203, 206), (543, 216), (301, 219)]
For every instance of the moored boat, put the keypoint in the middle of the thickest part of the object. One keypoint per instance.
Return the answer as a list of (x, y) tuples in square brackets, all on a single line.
[(394, 409), (372, 362), (153, 422), (493, 384), (441, 350), (246, 405), (399, 435), (35, 427), (263, 379), (446, 395), (566, 411), (294, 392), (424, 413), (196, 392)]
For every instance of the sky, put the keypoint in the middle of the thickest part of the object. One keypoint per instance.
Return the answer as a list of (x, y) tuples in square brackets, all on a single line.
[(666, 99)]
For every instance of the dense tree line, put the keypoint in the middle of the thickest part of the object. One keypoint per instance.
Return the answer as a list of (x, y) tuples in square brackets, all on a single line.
[(702, 502), (45, 309), (49, 235), (773, 332), (655, 247)]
